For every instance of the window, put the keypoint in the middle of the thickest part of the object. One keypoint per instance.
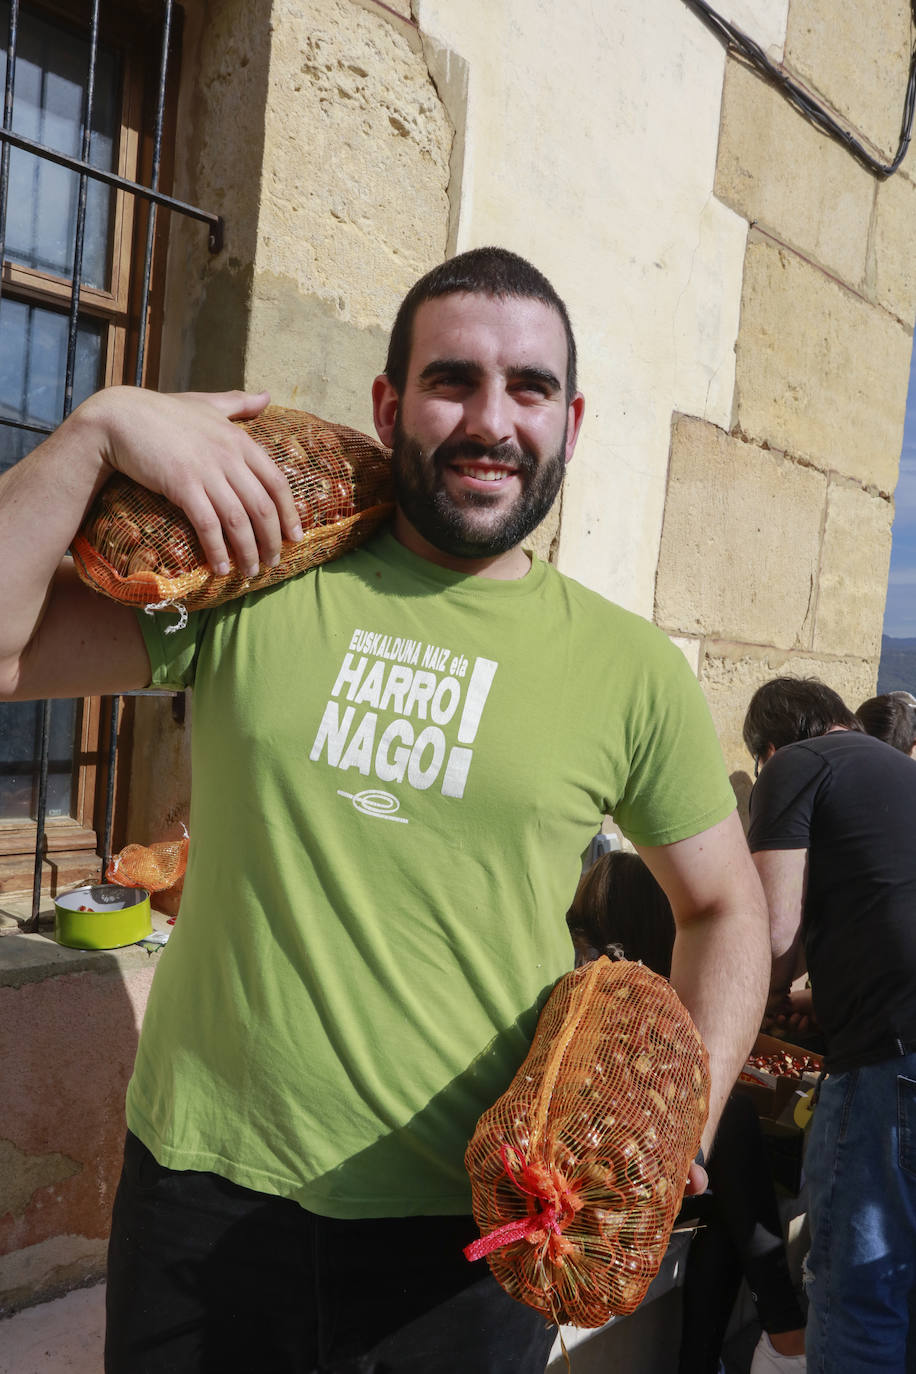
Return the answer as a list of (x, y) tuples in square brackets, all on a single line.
[(96, 237)]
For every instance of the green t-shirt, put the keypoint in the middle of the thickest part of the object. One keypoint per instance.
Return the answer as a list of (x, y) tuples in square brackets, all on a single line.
[(396, 769)]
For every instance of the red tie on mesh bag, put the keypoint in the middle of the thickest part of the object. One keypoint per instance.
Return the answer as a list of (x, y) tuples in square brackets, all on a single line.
[(137, 548), (578, 1170)]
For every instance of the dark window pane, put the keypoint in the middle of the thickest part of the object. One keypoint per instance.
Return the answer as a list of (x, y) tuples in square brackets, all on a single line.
[(52, 65), (33, 360), (20, 742)]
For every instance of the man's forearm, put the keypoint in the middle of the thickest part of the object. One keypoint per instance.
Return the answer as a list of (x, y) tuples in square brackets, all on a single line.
[(42, 502), (720, 970), (721, 959)]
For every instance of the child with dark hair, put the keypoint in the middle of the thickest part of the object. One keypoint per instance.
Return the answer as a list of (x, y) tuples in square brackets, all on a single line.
[(620, 910), (891, 717)]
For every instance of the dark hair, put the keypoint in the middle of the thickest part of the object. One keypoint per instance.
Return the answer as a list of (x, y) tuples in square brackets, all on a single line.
[(488, 272), (891, 717), (793, 708), (620, 910)]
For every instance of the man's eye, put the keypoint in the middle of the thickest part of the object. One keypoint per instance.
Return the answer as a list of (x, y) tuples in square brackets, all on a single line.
[(449, 381)]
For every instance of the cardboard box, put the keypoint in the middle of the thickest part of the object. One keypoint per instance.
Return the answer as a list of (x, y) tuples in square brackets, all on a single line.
[(772, 1093), (775, 1097)]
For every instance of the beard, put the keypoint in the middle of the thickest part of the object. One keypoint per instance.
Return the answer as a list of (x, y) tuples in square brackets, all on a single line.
[(477, 525)]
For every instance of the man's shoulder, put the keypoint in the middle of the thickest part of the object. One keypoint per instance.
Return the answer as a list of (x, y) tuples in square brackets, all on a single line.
[(588, 603)]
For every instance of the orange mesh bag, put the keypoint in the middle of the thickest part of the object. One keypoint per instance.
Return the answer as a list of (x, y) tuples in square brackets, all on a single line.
[(139, 549), (578, 1170), (155, 866)]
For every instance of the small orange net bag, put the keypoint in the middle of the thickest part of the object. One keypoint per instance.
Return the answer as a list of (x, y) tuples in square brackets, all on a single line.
[(578, 1170), (154, 867), (139, 549)]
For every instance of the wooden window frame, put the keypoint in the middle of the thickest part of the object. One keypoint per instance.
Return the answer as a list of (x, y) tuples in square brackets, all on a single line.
[(118, 309)]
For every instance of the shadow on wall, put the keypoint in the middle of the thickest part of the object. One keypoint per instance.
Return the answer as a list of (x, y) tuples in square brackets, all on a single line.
[(742, 785), (68, 1036)]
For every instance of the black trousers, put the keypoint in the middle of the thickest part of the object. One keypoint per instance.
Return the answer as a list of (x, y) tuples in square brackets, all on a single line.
[(205, 1277), (741, 1237)]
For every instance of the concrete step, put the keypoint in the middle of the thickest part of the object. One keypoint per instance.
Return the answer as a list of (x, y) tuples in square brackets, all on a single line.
[(65, 1336)]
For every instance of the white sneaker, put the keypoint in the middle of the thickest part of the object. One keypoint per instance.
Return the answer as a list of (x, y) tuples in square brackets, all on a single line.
[(769, 1361)]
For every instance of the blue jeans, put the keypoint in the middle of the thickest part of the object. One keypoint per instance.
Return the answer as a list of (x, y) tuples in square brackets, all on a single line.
[(861, 1267)]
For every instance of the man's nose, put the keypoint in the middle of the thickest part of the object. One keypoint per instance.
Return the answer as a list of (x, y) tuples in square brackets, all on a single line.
[(487, 415)]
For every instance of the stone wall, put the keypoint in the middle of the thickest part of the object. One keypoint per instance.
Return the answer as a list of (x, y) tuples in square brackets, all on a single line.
[(777, 529)]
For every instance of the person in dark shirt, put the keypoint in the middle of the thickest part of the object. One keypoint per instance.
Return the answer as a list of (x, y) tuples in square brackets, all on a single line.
[(891, 717), (831, 831)]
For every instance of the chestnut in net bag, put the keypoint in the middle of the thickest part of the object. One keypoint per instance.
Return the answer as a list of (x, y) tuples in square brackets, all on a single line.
[(137, 548), (578, 1170)]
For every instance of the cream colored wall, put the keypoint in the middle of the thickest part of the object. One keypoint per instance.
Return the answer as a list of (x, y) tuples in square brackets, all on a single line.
[(590, 135)]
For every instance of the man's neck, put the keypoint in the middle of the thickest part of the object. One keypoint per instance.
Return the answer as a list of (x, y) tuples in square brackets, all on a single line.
[(502, 567)]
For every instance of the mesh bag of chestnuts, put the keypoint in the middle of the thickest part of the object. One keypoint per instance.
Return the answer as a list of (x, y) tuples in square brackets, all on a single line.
[(578, 1170), (139, 549), (155, 867)]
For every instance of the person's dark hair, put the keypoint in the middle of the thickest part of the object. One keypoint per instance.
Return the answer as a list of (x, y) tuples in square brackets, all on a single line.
[(488, 272), (891, 717), (620, 910), (793, 708)]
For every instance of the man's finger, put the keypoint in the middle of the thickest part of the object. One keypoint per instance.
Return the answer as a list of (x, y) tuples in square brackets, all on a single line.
[(697, 1180), (235, 405), (199, 510), (260, 510), (278, 489)]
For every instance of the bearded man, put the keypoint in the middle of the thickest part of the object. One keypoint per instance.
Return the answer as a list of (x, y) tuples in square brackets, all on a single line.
[(349, 986)]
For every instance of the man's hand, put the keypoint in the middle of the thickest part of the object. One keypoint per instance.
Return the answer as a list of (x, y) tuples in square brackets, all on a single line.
[(56, 637), (184, 447), (697, 1180), (790, 1013)]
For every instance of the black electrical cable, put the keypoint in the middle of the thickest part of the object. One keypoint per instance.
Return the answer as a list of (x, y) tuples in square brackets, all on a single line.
[(734, 39)]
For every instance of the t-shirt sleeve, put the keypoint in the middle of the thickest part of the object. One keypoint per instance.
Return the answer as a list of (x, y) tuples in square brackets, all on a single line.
[(172, 652), (783, 798), (677, 785)]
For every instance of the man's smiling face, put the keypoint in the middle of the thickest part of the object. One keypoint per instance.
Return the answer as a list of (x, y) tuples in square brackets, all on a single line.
[(483, 430)]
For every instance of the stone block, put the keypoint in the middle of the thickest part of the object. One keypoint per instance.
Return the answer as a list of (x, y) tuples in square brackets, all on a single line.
[(707, 315), (355, 132), (731, 673), (825, 213), (852, 586), (309, 357), (892, 257), (726, 566), (857, 57), (820, 372)]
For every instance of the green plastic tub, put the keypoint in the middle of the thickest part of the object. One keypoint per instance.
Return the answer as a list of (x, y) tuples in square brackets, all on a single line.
[(102, 916)]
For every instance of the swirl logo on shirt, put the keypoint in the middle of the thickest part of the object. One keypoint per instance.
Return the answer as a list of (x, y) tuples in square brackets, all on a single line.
[(372, 802), (401, 711)]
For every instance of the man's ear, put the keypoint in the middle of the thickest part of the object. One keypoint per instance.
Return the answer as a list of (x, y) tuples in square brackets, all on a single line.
[(384, 409), (574, 418)]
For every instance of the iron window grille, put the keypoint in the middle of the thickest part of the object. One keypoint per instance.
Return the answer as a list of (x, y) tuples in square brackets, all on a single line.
[(157, 200)]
